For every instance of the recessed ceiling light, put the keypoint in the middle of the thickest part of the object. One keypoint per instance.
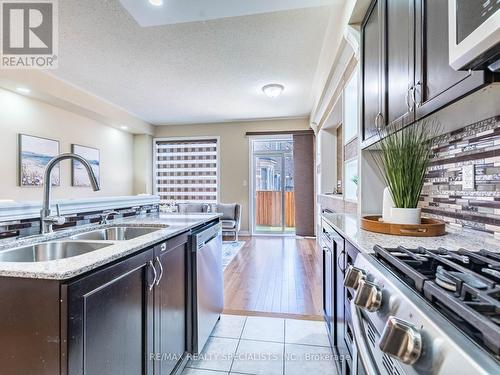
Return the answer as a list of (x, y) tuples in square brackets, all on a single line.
[(23, 90), (273, 90), (124, 127), (156, 3)]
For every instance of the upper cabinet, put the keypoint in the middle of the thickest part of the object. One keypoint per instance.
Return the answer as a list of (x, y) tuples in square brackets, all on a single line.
[(405, 67), (371, 73), (398, 61), (436, 82)]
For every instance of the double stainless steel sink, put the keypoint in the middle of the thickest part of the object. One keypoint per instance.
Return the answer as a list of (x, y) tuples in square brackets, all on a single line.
[(114, 234), (49, 251), (71, 246)]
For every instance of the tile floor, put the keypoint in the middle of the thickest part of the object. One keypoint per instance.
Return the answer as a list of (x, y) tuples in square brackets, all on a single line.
[(265, 346)]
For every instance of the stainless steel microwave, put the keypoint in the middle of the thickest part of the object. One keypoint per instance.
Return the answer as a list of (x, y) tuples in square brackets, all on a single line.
[(474, 34)]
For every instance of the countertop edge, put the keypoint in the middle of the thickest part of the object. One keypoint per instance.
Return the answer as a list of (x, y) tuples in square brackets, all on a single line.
[(75, 266), (348, 225)]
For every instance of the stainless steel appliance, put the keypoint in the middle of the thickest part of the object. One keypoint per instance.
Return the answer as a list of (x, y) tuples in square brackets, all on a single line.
[(207, 300), (474, 34), (419, 311)]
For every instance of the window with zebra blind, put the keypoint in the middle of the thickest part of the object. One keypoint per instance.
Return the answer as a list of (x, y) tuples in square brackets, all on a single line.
[(186, 170)]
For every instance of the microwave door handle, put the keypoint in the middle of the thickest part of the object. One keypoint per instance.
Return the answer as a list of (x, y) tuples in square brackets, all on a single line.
[(360, 341)]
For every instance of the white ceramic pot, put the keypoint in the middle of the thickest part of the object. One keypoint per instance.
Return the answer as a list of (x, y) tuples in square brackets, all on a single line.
[(387, 205), (405, 215)]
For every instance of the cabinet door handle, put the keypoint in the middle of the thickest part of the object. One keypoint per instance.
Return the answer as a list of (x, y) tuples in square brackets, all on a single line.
[(377, 126), (163, 247), (338, 259), (414, 95), (161, 271), (151, 286), (407, 98)]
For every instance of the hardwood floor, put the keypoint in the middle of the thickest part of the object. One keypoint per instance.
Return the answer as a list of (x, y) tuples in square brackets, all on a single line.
[(275, 276)]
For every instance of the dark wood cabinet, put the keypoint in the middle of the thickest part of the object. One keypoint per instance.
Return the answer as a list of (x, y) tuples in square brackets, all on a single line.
[(338, 255), (372, 70), (110, 319), (436, 82), (328, 282), (131, 317), (399, 73), (171, 303), (404, 65), (340, 268), (126, 317)]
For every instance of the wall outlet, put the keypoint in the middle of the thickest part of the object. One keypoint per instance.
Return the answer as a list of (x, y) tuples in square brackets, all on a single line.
[(469, 177)]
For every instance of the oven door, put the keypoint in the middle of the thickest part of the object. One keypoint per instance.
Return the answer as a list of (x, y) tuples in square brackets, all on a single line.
[(367, 357), (474, 34)]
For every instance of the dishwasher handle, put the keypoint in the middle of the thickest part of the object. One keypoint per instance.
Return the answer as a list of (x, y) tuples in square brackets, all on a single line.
[(204, 237), (208, 240)]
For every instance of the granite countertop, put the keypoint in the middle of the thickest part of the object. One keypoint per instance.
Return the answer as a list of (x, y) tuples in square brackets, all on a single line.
[(454, 239), (62, 269)]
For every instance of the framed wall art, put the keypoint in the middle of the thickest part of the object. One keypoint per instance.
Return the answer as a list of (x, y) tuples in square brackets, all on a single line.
[(79, 175), (34, 155)]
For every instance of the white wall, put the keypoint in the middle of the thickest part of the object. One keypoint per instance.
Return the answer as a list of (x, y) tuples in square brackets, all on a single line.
[(143, 161), (21, 114)]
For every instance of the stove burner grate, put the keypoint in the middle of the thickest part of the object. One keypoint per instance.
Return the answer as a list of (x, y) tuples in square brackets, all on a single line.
[(463, 285)]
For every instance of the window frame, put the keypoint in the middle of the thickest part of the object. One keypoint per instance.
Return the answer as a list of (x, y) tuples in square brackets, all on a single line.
[(190, 138)]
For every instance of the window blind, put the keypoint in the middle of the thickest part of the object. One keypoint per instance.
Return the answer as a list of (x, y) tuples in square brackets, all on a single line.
[(186, 170)]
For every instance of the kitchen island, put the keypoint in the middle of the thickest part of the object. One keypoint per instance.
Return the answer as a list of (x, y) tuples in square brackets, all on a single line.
[(122, 308)]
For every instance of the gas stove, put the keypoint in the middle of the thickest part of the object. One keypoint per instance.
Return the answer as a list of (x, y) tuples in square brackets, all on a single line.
[(420, 311), (463, 285)]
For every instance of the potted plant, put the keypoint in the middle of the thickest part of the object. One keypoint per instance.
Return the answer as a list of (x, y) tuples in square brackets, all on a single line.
[(403, 161)]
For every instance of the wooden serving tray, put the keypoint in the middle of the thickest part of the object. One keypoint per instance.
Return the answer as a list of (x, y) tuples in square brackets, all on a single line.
[(428, 227)]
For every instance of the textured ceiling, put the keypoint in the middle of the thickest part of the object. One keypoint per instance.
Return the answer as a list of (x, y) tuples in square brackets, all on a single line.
[(178, 11), (194, 72)]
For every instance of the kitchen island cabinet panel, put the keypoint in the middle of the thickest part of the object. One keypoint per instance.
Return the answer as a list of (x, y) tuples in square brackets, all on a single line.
[(171, 304), (110, 319), (29, 306)]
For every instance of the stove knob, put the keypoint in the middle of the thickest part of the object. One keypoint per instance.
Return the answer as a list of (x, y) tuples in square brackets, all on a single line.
[(353, 276), (368, 296), (401, 340)]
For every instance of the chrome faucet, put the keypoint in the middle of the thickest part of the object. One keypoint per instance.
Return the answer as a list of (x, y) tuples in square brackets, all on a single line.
[(46, 220), (105, 217)]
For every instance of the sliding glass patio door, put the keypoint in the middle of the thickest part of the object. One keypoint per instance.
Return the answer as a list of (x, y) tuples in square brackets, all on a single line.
[(273, 187)]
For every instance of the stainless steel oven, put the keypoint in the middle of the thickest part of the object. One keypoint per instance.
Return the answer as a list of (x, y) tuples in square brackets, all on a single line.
[(474, 34)]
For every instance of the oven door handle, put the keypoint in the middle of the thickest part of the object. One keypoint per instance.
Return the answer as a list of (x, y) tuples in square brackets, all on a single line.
[(363, 350)]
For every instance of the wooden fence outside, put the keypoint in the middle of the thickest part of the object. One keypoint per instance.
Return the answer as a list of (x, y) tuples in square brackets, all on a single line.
[(268, 208)]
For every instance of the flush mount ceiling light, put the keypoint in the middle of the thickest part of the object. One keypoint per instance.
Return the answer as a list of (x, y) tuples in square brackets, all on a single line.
[(23, 90), (273, 90), (156, 3), (124, 127)]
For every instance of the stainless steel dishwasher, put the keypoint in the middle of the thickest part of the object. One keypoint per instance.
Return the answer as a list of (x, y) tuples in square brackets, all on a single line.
[(207, 297)]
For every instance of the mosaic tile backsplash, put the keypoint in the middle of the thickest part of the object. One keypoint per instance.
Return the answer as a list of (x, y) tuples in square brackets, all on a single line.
[(462, 184), (30, 227)]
